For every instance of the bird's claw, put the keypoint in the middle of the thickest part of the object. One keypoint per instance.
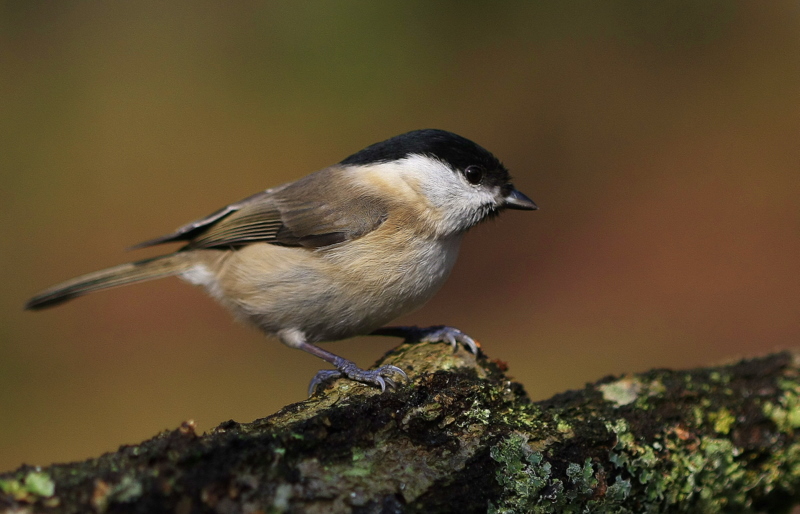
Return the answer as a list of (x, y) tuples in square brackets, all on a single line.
[(381, 377), (450, 335), (321, 376)]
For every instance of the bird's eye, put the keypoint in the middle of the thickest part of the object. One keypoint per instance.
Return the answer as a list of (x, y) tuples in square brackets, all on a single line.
[(474, 174)]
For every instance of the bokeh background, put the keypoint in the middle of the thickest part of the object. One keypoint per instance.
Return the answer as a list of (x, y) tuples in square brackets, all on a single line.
[(659, 139)]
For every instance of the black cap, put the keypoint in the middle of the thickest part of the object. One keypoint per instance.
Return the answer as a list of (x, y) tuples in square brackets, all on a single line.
[(459, 152)]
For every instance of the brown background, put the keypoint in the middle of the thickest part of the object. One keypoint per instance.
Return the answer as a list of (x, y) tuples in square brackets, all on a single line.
[(660, 142)]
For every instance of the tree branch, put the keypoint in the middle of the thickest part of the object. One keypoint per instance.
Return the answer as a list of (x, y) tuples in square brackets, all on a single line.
[(461, 437)]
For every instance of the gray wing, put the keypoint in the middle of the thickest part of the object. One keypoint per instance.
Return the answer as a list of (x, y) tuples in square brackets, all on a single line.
[(303, 213)]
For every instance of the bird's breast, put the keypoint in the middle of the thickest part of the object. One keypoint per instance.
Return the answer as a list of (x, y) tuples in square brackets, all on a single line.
[(396, 271)]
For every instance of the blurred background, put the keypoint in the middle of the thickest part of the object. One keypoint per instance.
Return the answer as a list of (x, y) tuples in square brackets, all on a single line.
[(660, 141)]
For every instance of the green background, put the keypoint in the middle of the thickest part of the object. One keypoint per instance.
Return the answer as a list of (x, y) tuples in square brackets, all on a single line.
[(660, 140)]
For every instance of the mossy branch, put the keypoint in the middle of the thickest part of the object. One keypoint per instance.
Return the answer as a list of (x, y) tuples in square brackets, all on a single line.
[(461, 437)]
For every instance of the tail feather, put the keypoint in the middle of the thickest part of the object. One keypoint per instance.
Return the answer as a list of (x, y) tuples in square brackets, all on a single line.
[(121, 275)]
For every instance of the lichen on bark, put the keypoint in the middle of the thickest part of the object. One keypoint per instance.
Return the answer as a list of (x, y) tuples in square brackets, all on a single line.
[(462, 437)]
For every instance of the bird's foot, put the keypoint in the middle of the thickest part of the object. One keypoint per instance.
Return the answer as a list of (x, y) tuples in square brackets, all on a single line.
[(435, 334), (344, 368), (445, 334)]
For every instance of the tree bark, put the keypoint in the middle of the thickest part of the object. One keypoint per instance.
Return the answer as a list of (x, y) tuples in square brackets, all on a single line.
[(462, 437)]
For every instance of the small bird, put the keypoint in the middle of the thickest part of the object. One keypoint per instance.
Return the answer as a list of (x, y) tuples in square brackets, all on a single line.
[(338, 253)]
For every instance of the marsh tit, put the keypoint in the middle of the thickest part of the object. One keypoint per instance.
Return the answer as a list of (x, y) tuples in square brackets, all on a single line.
[(337, 253)]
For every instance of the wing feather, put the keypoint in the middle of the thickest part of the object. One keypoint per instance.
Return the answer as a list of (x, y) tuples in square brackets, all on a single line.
[(303, 213)]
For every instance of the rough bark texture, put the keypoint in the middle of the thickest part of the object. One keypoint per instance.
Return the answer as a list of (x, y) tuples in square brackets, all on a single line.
[(461, 437)]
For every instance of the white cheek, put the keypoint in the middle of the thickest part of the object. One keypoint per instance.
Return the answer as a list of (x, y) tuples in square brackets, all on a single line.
[(438, 182), (458, 202), (455, 204)]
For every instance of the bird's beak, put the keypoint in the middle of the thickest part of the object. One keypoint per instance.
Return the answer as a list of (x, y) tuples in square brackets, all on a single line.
[(517, 200)]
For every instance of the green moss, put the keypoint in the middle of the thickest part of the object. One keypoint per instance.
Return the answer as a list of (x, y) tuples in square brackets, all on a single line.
[(562, 426), (13, 488), (722, 420), (786, 415), (526, 417), (583, 479), (39, 484), (34, 485), (618, 491), (529, 484), (523, 473), (478, 413), (705, 477)]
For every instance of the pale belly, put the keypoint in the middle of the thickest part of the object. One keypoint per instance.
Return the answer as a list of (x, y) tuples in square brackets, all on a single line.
[(330, 294)]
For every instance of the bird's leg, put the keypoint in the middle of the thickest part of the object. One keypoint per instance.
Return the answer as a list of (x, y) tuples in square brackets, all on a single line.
[(435, 334), (381, 377)]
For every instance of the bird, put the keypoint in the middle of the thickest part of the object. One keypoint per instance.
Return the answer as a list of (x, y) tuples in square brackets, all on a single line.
[(338, 253)]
